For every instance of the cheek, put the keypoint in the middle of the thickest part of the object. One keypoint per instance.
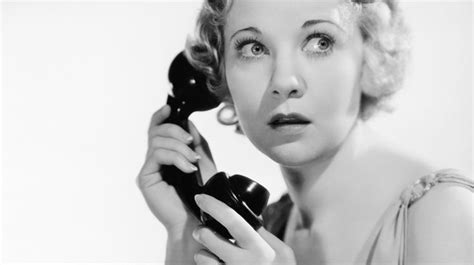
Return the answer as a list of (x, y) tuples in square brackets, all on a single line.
[(247, 88), (338, 84)]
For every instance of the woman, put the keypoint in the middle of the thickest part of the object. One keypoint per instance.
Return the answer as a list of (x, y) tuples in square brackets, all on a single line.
[(303, 77)]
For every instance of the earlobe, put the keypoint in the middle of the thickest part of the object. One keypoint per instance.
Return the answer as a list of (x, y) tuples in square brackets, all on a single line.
[(227, 115)]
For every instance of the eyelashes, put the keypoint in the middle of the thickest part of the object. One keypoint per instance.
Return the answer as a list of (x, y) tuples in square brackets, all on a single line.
[(241, 43), (325, 44)]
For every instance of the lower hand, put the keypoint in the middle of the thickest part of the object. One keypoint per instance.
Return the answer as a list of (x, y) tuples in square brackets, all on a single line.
[(251, 247)]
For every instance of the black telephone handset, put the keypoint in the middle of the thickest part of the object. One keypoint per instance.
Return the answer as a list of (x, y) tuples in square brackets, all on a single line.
[(245, 196)]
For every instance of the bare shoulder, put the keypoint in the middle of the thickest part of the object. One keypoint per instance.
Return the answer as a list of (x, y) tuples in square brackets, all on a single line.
[(440, 226)]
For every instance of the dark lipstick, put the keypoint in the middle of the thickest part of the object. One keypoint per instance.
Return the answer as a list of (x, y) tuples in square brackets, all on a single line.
[(281, 119)]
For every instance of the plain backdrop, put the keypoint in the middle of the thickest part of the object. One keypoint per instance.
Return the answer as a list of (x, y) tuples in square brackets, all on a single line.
[(81, 80)]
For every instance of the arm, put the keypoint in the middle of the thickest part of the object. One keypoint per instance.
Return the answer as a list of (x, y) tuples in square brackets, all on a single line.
[(181, 247)]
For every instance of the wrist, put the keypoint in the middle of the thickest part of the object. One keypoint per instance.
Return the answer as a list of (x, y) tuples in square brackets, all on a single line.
[(177, 232), (180, 246), (186, 226)]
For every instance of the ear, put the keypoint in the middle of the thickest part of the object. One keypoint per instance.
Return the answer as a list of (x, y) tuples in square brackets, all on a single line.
[(227, 115)]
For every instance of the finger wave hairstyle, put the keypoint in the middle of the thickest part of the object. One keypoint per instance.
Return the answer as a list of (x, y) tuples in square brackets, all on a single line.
[(386, 44)]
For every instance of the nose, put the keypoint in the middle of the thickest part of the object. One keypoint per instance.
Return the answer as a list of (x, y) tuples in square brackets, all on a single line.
[(286, 80)]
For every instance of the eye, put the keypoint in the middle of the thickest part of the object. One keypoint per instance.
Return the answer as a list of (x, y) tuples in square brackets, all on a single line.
[(249, 48), (319, 44), (252, 49)]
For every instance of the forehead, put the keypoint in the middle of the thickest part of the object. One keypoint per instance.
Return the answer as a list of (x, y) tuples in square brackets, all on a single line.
[(281, 14)]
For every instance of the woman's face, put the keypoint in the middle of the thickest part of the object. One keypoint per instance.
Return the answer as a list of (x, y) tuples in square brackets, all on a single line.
[(288, 57)]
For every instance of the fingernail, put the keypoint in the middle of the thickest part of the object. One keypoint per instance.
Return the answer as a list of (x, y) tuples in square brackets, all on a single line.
[(196, 235), (193, 167), (189, 139), (197, 156), (198, 198)]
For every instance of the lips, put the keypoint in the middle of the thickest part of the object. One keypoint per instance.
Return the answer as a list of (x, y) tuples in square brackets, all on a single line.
[(281, 119)]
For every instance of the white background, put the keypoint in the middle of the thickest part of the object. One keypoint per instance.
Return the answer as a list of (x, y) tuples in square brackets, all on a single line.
[(81, 80)]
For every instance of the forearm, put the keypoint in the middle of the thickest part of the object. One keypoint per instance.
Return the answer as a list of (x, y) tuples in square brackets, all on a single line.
[(180, 248)]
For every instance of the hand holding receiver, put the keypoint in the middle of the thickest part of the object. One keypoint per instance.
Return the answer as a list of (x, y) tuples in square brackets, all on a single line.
[(189, 94), (168, 145)]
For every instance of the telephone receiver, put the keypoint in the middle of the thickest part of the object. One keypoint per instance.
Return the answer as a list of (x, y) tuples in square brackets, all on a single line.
[(248, 198)]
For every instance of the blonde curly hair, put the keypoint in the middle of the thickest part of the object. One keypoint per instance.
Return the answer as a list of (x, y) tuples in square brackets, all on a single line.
[(384, 33)]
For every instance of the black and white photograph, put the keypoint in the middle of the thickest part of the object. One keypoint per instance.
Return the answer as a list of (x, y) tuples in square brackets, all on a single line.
[(237, 132)]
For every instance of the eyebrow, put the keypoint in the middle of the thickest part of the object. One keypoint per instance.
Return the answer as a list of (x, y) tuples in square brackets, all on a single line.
[(312, 22), (305, 25), (253, 29)]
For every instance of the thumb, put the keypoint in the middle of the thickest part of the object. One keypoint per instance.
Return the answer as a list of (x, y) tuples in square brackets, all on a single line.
[(206, 164), (199, 143), (197, 137)]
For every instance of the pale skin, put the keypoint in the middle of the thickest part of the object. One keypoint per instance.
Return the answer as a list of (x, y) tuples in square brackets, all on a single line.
[(282, 66)]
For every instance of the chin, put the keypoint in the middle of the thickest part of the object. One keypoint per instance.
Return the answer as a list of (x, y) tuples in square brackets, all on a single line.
[(292, 155)]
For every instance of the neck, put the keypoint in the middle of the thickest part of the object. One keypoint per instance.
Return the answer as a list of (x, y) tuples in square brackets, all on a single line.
[(322, 186)]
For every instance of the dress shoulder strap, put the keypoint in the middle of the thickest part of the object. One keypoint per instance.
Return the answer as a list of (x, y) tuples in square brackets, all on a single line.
[(421, 187), (445, 176), (388, 240)]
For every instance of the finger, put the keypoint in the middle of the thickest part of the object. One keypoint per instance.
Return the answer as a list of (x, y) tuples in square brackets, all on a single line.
[(199, 142), (204, 257), (174, 145), (272, 240), (166, 157), (216, 244), (170, 130), (284, 252), (160, 116), (197, 138), (206, 164), (242, 232)]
